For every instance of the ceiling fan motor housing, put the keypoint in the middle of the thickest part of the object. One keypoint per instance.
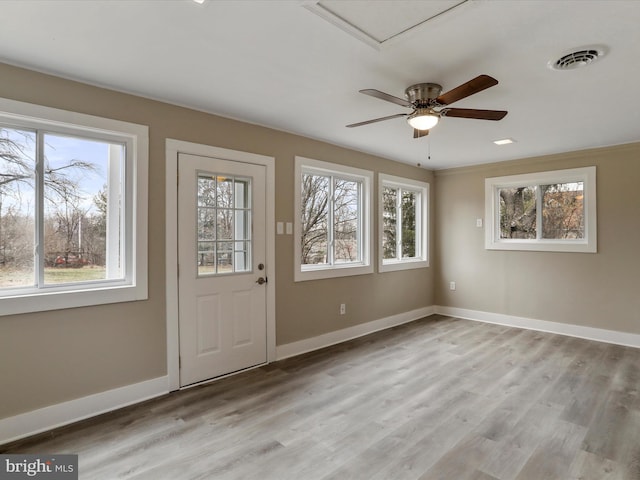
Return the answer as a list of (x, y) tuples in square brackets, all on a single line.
[(423, 93)]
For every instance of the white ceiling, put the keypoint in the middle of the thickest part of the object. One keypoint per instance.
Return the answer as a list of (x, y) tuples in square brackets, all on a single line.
[(281, 64)]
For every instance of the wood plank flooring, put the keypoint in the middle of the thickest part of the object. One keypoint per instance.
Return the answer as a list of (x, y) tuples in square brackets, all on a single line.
[(439, 398)]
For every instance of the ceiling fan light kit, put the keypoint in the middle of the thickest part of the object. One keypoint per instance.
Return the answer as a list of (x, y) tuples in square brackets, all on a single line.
[(423, 119), (428, 104)]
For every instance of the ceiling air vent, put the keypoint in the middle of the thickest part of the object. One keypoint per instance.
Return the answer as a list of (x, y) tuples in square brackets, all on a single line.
[(578, 58)]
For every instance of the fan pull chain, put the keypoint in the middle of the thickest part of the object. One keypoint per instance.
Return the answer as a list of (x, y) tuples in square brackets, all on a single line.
[(428, 152)]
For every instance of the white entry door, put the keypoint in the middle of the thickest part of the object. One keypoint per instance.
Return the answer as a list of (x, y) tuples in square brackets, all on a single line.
[(221, 267)]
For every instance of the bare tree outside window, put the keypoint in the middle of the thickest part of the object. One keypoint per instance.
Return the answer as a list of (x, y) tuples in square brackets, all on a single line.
[(74, 215), (518, 212), (408, 211), (17, 207), (330, 220), (73, 209), (346, 212), (315, 219), (553, 211), (389, 219), (399, 204), (76, 170), (562, 211)]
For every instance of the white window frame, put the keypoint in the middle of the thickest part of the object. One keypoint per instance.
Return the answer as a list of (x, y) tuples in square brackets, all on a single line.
[(588, 244), (422, 223), (315, 272), (136, 138)]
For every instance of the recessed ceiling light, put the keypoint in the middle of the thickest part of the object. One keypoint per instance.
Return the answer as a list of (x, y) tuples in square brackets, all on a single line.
[(199, 1), (504, 141)]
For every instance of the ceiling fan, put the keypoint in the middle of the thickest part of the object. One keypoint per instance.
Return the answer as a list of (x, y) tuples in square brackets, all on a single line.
[(429, 105)]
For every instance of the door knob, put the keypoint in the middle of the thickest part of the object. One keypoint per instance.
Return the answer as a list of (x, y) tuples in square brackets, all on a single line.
[(261, 281)]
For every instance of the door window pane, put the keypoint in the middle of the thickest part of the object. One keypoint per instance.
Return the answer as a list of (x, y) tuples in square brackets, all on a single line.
[(224, 224), (242, 225), (224, 257), (241, 193), (206, 191), (206, 223), (241, 256)]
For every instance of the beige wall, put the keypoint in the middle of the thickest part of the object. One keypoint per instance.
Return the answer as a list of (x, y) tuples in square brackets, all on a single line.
[(51, 357), (596, 290)]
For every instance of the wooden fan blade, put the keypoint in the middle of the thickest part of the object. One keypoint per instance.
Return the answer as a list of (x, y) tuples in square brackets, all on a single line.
[(481, 82), (473, 113), (387, 97), (420, 133), (381, 119)]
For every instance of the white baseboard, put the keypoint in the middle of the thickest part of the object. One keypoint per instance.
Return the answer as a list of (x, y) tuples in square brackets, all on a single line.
[(54, 416), (579, 331), (339, 336)]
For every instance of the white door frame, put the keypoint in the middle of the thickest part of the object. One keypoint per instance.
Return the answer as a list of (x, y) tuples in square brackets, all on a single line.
[(173, 147)]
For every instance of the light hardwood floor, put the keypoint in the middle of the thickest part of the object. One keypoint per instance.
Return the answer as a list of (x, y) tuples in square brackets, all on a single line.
[(439, 398)]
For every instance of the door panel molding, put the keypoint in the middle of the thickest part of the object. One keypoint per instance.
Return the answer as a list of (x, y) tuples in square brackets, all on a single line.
[(207, 321), (172, 149)]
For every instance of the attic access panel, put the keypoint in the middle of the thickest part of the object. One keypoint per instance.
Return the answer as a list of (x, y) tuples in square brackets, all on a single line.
[(377, 23)]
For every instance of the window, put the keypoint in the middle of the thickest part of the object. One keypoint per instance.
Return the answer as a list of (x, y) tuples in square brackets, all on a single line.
[(403, 223), (224, 224), (333, 219), (72, 209), (549, 211)]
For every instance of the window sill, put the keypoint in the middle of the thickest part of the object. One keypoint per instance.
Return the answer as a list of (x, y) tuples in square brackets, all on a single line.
[(396, 265), (543, 246), (319, 273), (57, 300)]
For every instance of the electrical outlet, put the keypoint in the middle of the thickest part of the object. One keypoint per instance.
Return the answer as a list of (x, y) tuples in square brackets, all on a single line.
[(343, 308), (452, 285)]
